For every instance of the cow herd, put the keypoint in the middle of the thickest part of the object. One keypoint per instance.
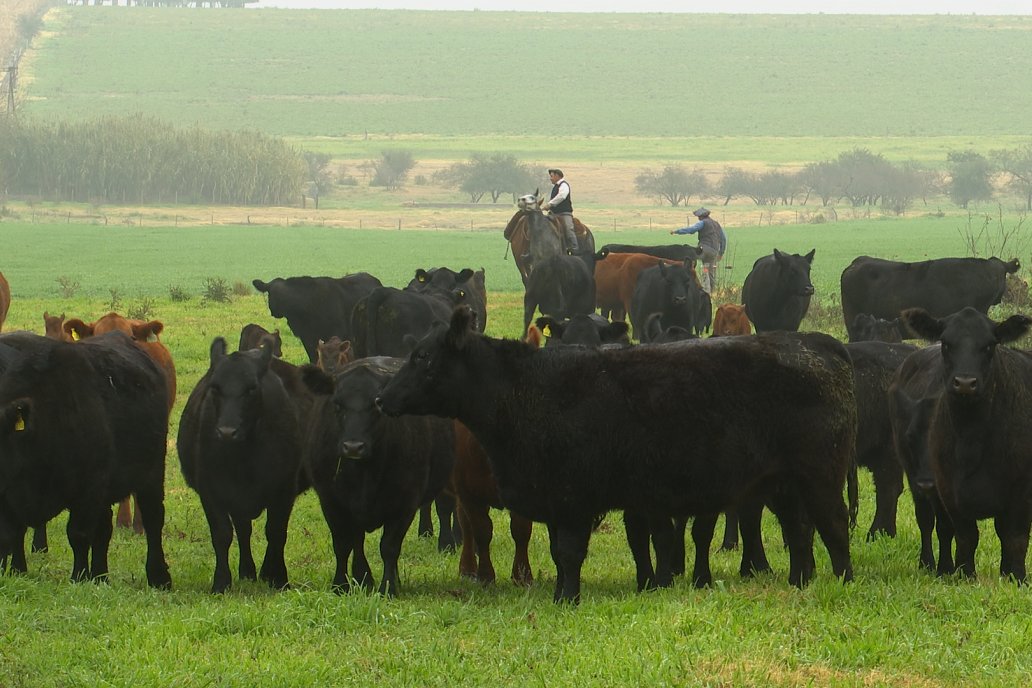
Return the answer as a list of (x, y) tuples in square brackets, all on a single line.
[(406, 402)]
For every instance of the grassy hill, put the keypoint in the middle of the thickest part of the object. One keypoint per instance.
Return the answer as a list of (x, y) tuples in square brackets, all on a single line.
[(462, 74)]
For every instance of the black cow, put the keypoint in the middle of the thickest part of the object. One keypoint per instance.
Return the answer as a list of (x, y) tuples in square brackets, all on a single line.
[(82, 426), (317, 307), (913, 397), (668, 251), (584, 330), (980, 439), (240, 449), (575, 432), (465, 286), (561, 286), (867, 328), (251, 338), (883, 288), (369, 470), (655, 333), (776, 293), (672, 290)]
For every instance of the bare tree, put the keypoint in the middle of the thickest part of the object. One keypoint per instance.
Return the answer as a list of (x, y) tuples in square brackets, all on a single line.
[(674, 184)]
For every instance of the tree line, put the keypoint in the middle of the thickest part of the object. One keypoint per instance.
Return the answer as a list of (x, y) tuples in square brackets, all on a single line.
[(138, 159), (858, 176)]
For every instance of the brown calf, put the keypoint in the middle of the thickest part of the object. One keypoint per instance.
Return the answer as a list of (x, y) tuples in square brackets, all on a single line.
[(731, 320)]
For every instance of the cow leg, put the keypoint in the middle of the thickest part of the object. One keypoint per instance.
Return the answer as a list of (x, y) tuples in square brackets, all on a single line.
[(924, 513), (426, 522), (664, 536), (39, 538), (16, 551), (446, 538), (482, 532), (137, 517), (730, 541), (944, 530), (553, 550), (390, 551), (1013, 534), (754, 557), (274, 565), (82, 524), (520, 528), (571, 551), (636, 528), (470, 549), (150, 503), (852, 494), (221, 528), (124, 517), (677, 564), (966, 533), (888, 485), (243, 527), (99, 546), (702, 536), (829, 515), (360, 570)]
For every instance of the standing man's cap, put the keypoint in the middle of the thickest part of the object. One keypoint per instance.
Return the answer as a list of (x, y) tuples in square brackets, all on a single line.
[(701, 212), (556, 171)]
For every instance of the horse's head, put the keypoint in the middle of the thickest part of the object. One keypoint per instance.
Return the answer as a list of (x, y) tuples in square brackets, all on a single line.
[(528, 201)]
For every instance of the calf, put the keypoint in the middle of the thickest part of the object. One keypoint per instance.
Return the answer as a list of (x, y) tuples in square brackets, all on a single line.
[(239, 448), (867, 328), (81, 426), (979, 438), (655, 333), (369, 470), (53, 327), (577, 432), (585, 330), (251, 338), (730, 321), (333, 355), (913, 396)]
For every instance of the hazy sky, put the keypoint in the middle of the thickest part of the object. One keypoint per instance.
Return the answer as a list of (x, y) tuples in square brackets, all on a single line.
[(1023, 7)]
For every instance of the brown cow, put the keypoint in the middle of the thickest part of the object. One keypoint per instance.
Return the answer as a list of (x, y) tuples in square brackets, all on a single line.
[(5, 299), (145, 336), (731, 320), (616, 275), (334, 354), (53, 327)]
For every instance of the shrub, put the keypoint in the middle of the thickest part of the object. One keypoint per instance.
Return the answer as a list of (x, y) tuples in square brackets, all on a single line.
[(115, 301), (67, 286), (242, 288), (142, 310), (216, 289), (177, 294)]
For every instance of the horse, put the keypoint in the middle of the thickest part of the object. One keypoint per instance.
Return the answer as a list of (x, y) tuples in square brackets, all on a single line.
[(534, 237)]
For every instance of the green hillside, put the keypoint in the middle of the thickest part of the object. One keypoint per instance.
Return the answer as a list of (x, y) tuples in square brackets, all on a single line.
[(320, 72)]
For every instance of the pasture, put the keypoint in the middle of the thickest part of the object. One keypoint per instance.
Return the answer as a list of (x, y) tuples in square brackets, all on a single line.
[(893, 625)]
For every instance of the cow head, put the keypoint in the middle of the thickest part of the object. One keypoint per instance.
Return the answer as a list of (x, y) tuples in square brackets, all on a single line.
[(655, 333), (795, 271), (868, 328), (333, 355), (912, 438), (969, 340), (357, 416), (235, 389), (436, 375), (590, 330)]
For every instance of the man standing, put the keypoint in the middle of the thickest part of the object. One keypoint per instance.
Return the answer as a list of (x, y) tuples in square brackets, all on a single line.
[(712, 241), (561, 205)]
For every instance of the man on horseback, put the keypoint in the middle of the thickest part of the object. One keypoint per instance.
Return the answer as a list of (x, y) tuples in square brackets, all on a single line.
[(561, 206)]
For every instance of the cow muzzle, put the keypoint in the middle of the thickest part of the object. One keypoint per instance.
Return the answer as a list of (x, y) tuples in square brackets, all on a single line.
[(965, 385), (352, 450), (226, 433)]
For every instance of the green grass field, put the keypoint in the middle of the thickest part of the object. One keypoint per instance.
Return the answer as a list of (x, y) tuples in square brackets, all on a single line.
[(892, 626)]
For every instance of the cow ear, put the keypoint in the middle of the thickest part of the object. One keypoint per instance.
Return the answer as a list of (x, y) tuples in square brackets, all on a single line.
[(809, 256), (615, 332), (345, 349), (778, 255), (265, 347), (148, 332), (464, 275), (217, 351), (549, 326), (316, 380), (77, 329), (16, 416), (1013, 266), (461, 327), (1014, 327), (421, 276), (533, 336), (919, 322), (260, 285)]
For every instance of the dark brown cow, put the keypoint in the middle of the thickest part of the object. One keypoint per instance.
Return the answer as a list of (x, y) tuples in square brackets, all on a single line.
[(332, 355), (5, 299), (251, 338), (145, 336), (731, 320), (616, 275)]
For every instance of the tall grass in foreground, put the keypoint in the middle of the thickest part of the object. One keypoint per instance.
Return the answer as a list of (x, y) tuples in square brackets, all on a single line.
[(894, 625)]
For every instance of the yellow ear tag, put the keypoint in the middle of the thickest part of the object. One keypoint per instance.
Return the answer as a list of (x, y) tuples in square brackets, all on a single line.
[(422, 278), (19, 423), (75, 335), (547, 331)]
